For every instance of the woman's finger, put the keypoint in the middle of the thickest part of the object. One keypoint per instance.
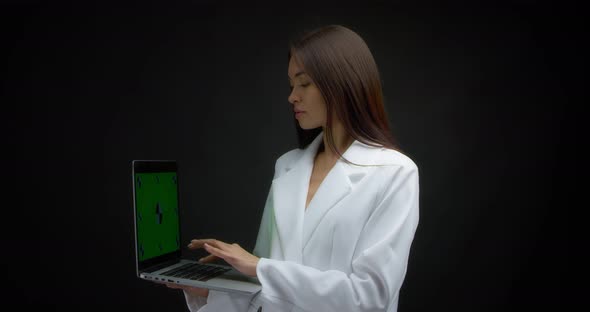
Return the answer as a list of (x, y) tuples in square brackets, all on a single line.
[(198, 243), (175, 286), (218, 244), (215, 251), (209, 258)]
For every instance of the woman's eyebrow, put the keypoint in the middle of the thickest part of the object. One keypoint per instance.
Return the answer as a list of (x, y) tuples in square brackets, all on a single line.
[(297, 74)]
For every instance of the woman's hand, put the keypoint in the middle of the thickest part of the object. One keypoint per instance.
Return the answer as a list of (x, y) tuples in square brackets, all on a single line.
[(233, 254), (195, 291)]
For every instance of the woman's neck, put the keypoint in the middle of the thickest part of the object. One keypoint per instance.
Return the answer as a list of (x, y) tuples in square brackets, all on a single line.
[(341, 141)]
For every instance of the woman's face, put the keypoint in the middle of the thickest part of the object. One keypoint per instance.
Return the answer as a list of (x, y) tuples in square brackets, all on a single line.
[(308, 104)]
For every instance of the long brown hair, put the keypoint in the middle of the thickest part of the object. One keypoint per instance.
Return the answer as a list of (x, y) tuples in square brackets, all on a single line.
[(341, 65)]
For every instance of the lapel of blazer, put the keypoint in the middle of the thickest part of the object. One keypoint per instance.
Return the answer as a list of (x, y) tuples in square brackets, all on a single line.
[(289, 197), (295, 224), (337, 185)]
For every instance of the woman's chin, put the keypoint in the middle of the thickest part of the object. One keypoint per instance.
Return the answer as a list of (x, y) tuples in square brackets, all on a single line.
[(307, 126)]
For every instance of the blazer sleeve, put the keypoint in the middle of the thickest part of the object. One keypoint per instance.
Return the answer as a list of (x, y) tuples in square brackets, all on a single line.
[(379, 265), (218, 301), (194, 303)]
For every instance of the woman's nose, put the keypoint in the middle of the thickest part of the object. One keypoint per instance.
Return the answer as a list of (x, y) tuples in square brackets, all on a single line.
[(293, 97)]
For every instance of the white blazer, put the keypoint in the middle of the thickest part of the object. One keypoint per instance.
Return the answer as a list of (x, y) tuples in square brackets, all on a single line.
[(348, 251)]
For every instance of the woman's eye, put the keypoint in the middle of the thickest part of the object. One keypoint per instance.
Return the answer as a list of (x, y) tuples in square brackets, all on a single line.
[(303, 85)]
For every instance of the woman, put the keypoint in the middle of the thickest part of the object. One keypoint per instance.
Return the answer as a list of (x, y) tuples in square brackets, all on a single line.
[(342, 210)]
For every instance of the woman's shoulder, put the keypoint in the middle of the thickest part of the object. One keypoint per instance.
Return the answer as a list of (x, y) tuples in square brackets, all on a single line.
[(394, 169), (381, 156), (395, 158)]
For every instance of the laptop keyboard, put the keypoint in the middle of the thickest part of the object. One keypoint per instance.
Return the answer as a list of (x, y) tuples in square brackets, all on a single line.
[(196, 271)]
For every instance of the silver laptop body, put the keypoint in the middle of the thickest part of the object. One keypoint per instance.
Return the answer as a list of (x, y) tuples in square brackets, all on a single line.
[(157, 234)]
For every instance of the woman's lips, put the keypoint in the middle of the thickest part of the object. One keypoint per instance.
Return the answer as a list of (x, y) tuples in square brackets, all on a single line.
[(298, 113)]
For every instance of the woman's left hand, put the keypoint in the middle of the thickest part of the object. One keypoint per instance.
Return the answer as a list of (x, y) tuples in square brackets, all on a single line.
[(233, 254)]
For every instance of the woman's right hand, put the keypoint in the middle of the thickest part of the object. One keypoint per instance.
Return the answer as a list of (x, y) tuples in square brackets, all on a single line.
[(195, 291)]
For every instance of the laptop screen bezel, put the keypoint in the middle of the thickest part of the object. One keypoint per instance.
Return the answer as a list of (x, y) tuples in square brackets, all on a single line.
[(151, 166)]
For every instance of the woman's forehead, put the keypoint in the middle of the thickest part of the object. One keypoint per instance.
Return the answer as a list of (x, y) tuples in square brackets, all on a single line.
[(295, 70), (294, 65)]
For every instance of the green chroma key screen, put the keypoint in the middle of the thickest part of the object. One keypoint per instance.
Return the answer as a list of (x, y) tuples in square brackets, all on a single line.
[(156, 198)]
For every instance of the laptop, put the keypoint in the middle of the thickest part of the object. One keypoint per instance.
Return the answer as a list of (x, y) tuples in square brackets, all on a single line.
[(157, 234)]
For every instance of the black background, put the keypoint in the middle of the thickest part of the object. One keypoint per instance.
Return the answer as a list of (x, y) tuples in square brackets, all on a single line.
[(477, 97)]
